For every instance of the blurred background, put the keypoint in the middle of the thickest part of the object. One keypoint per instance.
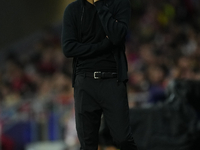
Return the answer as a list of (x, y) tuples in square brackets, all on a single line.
[(36, 97)]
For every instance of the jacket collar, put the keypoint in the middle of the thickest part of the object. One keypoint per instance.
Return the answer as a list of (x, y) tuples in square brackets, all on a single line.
[(81, 1), (107, 1)]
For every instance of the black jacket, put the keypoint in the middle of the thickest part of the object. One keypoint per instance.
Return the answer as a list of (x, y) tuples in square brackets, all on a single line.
[(114, 16)]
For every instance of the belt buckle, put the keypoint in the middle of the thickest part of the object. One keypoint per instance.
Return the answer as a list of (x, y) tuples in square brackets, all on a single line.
[(95, 75)]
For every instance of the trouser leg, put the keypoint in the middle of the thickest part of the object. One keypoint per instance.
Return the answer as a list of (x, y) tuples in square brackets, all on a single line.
[(116, 113), (93, 96), (87, 113)]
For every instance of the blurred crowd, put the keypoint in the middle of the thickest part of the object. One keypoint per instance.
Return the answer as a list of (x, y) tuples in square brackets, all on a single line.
[(38, 74), (163, 44)]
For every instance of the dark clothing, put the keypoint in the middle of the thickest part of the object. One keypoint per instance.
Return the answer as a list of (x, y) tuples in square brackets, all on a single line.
[(97, 97), (84, 39), (92, 32), (114, 16)]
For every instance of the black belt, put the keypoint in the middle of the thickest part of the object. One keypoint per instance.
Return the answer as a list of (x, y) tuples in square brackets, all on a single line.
[(101, 75)]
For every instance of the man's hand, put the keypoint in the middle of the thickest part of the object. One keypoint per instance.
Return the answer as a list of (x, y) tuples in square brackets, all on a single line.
[(96, 1)]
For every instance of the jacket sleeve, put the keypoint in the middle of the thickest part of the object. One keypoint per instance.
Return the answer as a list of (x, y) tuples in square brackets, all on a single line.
[(70, 43), (116, 25)]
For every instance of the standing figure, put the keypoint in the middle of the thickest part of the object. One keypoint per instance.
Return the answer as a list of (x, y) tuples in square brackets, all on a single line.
[(94, 35)]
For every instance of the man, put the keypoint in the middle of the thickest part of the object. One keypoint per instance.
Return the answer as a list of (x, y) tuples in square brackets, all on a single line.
[(94, 34)]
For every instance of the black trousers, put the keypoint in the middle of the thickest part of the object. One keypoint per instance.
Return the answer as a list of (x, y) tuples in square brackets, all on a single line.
[(94, 97)]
